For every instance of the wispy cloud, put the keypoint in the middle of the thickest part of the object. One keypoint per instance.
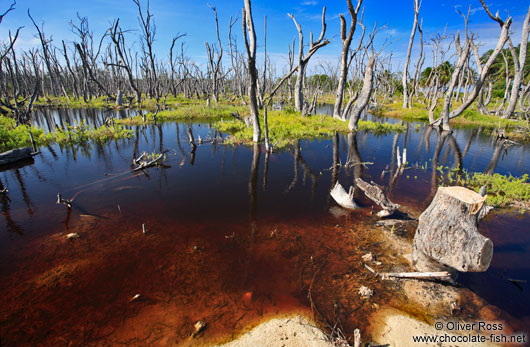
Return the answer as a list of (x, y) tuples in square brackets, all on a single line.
[(310, 3)]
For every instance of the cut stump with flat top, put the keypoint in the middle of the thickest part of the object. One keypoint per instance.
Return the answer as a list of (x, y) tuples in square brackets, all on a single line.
[(447, 236)]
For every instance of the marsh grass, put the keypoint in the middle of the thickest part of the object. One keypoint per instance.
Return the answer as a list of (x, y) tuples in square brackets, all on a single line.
[(286, 127), (15, 137), (470, 117), (502, 190)]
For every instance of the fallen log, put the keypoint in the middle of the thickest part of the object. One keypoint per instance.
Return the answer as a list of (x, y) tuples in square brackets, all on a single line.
[(376, 194), (447, 237), (441, 275), (342, 198), (15, 155)]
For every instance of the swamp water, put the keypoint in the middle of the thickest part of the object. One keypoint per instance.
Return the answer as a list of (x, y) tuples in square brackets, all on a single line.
[(233, 236)]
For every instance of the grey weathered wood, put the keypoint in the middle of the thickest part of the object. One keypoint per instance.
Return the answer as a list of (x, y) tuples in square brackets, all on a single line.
[(405, 77), (343, 198), (518, 66), (345, 55), (447, 236), (364, 97), (483, 70), (249, 34), (15, 155), (442, 275), (376, 194)]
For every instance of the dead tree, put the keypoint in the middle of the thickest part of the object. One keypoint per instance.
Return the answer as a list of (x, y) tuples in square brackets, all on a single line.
[(303, 60), (148, 37), (124, 62), (417, 71), (249, 35), (214, 64), (172, 65), (263, 87), (236, 63), (11, 8), (404, 80), (345, 56), (366, 92), (463, 55), (483, 103), (89, 58), (45, 52), (518, 64)]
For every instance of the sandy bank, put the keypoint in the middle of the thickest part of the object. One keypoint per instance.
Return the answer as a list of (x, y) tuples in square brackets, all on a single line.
[(291, 331)]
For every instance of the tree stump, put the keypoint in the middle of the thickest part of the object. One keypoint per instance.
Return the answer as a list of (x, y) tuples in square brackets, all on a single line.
[(447, 237)]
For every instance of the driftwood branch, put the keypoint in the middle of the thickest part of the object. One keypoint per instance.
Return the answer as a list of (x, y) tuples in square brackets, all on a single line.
[(63, 201), (376, 194), (142, 164), (441, 275)]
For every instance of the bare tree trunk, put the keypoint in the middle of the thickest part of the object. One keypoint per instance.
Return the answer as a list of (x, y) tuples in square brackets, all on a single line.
[(518, 66), (404, 80), (364, 97), (482, 69), (417, 71), (481, 103), (344, 61), (250, 43), (215, 64), (302, 61)]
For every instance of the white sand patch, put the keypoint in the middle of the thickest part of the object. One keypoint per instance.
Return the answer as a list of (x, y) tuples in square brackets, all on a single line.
[(292, 331), (396, 328)]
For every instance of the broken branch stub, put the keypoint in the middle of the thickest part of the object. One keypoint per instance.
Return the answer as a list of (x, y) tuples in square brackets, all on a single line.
[(376, 194), (447, 236)]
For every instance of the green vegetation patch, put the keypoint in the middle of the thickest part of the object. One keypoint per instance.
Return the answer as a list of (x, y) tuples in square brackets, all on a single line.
[(502, 190), (515, 129), (286, 127), (14, 137), (192, 112)]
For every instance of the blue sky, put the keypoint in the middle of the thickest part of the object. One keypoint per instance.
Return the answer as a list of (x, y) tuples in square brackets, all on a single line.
[(196, 20)]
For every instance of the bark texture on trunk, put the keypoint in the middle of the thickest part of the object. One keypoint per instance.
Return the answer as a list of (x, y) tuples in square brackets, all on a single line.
[(447, 236), (518, 67), (364, 97)]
